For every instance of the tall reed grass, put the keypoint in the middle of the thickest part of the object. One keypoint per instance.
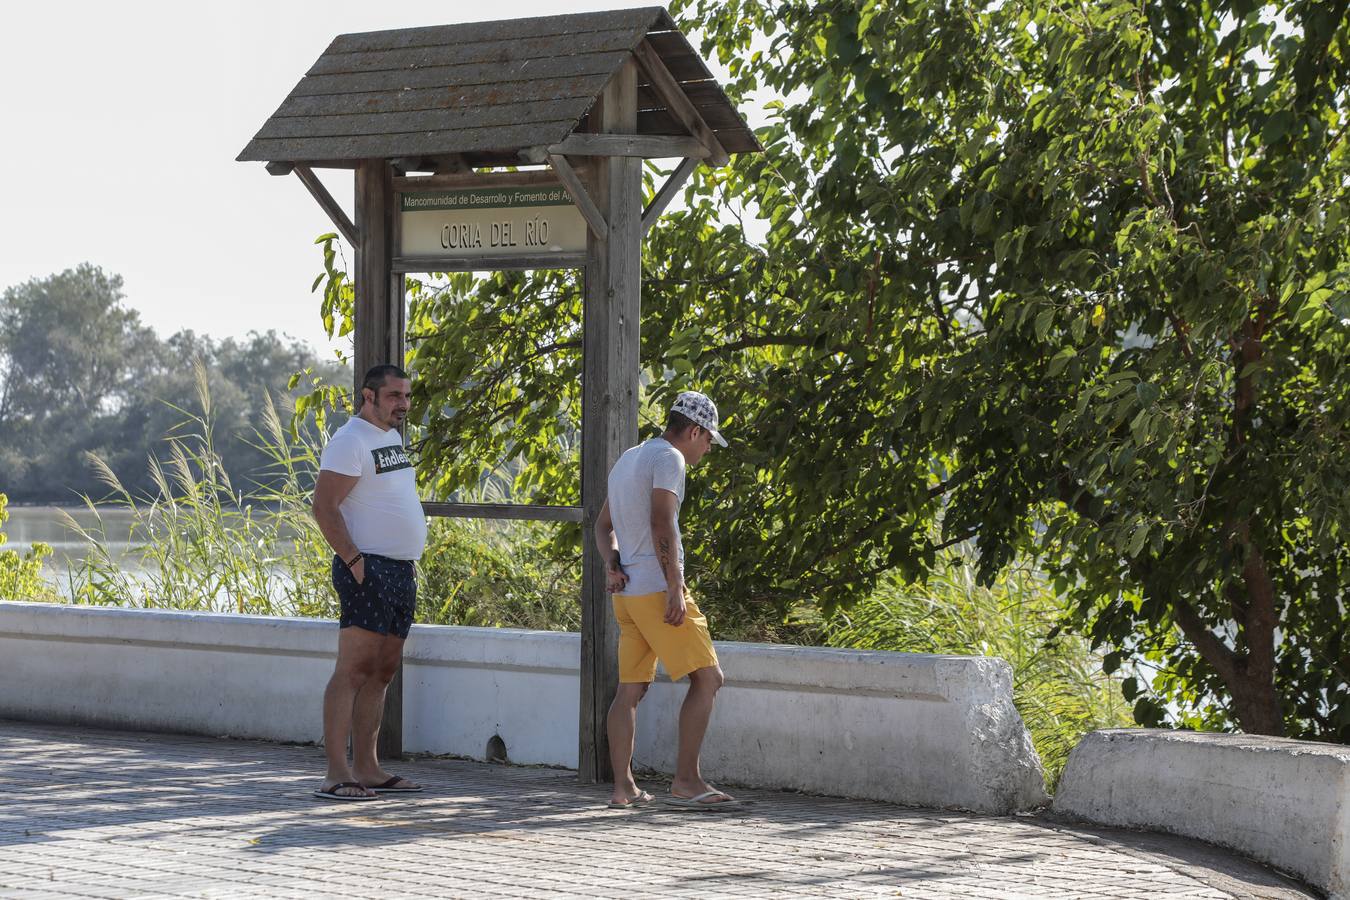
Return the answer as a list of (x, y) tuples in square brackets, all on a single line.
[(1058, 683), (203, 543), (200, 542), (497, 574)]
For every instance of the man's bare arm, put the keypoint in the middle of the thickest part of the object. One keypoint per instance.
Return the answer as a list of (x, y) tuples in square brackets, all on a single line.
[(666, 541), (329, 492), (607, 542)]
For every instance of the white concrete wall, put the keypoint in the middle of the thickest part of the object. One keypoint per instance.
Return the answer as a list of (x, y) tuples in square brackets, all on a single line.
[(922, 730), (242, 676), (462, 686), (1281, 801), (910, 728), (263, 677)]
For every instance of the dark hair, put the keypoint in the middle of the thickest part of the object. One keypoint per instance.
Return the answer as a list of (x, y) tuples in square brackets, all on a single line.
[(679, 423), (378, 375)]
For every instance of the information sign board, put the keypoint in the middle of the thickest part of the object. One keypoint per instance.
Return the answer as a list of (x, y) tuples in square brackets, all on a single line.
[(490, 221)]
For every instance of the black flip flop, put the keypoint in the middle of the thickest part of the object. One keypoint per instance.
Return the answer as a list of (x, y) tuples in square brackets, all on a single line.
[(331, 792)]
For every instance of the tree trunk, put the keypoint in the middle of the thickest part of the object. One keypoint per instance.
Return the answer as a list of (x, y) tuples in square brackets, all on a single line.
[(1250, 676), (1256, 705)]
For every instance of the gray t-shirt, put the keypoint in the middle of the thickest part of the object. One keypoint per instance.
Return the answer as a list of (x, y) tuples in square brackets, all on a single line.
[(642, 469)]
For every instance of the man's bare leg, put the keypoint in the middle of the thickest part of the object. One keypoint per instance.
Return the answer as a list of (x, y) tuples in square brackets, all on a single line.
[(369, 712), (694, 715), (622, 726), (357, 659)]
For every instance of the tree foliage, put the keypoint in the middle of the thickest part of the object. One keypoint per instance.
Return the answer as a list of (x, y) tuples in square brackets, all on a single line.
[(80, 374), (21, 573), (1066, 281), (1118, 232)]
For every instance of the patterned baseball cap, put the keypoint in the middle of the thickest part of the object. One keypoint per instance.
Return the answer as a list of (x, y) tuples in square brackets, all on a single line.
[(698, 409)]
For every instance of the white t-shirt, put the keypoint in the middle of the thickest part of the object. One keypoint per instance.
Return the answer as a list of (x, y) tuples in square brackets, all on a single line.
[(383, 513), (642, 469)]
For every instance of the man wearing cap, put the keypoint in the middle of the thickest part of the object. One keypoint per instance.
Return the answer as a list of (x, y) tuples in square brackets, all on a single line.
[(638, 534)]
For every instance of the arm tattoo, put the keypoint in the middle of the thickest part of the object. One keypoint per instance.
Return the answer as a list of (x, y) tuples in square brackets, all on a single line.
[(663, 547)]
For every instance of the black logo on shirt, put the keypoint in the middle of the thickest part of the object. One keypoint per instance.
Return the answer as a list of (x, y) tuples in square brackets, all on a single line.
[(391, 459)]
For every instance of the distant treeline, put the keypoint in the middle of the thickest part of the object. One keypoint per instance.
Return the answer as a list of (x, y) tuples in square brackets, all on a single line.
[(80, 374)]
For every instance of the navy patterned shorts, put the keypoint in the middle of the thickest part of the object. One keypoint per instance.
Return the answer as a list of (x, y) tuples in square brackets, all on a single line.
[(385, 602)]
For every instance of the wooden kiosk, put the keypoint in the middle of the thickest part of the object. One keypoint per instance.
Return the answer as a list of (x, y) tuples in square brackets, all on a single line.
[(581, 98)]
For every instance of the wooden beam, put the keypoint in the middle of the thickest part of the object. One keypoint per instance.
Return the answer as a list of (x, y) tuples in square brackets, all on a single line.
[(503, 511), (537, 154), (378, 338), (455, 180), (677, 103), (667, 193), (328, 204), (455, 163), (490, 263), (279, 168), (609, 405), (589, 211), (648, 146)]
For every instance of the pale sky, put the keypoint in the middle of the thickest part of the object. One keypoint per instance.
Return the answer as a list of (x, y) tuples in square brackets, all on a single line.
[(121, 122)]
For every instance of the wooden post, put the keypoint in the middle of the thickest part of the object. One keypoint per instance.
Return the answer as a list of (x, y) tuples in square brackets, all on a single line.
[(378, 338), (609, 399), (378, 334)]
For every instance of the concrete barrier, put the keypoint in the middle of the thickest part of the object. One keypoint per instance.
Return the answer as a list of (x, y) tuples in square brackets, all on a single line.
[(237, 676), (1284, 802), (263, 676), (911, 728), (923, 730), (464, 686)]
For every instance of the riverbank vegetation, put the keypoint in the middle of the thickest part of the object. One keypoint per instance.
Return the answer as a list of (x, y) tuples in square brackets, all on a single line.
[(21, 576), (202, 543), (80, 373)]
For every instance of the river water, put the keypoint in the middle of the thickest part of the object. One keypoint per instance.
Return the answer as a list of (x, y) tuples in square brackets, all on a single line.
[(47, 524)]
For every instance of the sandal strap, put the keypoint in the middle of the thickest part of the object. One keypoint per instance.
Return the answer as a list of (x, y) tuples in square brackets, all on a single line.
[(706, 794)]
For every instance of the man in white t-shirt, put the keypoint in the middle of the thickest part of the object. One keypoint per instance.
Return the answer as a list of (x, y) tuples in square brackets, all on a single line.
[(367, 507), (638, 534)]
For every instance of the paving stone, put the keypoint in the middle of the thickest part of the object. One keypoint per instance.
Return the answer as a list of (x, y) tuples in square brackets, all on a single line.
[(92, 813)]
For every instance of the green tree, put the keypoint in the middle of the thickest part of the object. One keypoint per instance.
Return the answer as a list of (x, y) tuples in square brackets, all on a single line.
[(65, 338), (239, 372), (1114, 242), (80, 375), (1069, 282), (66, 342)]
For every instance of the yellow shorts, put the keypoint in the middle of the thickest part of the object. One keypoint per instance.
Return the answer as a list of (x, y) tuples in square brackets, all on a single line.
[(645, 637)]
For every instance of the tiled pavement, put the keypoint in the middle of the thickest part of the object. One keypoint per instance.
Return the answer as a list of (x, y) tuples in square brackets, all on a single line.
[(87, 813)]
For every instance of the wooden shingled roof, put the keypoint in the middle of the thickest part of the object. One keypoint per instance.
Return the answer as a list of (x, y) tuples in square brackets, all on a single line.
[(483, 91)]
